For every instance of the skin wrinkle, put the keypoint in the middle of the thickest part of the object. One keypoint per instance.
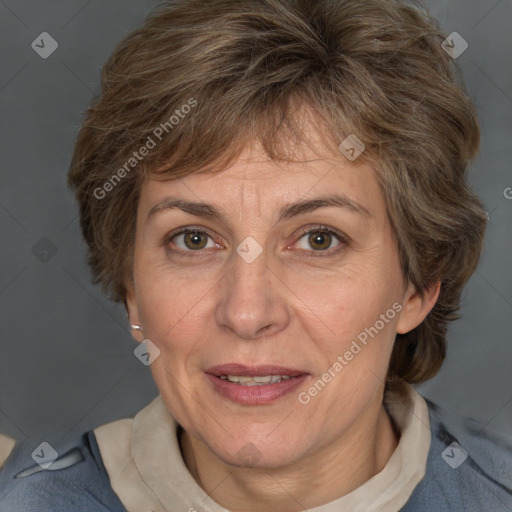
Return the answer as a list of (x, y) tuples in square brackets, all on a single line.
[(267, 311)]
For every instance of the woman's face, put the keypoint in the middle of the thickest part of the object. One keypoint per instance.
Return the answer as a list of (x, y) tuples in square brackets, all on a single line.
[(270, 289)]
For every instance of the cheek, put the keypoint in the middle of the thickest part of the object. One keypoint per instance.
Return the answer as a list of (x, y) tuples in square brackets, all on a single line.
[(172, 306), (354, 304), (349, 299)]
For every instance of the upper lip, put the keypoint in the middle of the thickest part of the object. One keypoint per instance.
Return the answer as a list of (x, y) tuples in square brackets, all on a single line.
[(252, 371)]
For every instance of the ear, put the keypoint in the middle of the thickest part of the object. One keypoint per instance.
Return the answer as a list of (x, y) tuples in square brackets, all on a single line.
[(417, 306), (132, 309)]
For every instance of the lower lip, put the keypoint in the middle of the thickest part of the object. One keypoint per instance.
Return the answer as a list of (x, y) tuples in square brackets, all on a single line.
[(255, 395)]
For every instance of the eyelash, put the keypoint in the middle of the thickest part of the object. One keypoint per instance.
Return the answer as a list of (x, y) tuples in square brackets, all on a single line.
[(343, 239)]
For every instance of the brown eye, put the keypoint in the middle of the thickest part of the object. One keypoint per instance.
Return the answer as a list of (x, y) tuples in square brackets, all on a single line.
[(319, 240), (195, 240), (191, 240)]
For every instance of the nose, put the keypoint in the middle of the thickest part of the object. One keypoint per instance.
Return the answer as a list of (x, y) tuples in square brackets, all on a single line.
[(252, 299)]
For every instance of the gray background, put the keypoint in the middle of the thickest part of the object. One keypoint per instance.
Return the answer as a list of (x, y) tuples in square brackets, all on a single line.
[(67, 362)]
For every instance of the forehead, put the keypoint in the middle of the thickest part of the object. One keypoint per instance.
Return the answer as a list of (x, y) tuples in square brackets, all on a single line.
[(254, 181)]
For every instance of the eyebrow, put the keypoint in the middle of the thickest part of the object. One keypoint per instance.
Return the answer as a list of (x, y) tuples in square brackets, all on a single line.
[(286, 212)]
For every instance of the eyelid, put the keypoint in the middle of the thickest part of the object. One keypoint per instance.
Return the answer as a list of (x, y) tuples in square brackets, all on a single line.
[(324, 228), (186, 229)]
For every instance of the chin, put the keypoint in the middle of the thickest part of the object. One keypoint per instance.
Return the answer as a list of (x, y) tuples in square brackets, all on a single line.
[(250, 453)]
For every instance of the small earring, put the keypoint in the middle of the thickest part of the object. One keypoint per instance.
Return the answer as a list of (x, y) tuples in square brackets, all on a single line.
[(136, 327)]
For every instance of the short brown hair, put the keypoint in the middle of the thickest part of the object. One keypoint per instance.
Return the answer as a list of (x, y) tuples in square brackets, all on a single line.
[(373, 68)]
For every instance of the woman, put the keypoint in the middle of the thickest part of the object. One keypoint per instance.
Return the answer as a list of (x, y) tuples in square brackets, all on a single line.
[(276, 191)]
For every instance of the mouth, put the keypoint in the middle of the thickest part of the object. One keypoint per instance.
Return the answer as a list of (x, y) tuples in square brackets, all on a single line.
[(254, 385)]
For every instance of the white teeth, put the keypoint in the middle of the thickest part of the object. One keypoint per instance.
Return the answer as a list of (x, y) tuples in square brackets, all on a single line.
[(266, 380), (255, 381), (233, 378)]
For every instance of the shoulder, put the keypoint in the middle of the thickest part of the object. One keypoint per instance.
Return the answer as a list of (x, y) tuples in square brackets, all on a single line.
[(38, 477), (469, 467)]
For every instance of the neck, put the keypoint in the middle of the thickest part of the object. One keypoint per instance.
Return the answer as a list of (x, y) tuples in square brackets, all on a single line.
[(335, 471)]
